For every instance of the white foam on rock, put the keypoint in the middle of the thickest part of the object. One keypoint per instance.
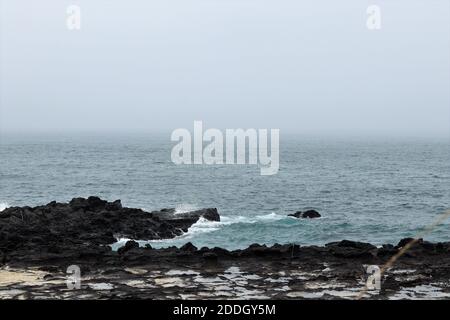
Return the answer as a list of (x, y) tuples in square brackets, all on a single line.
[(3, 206), (203, 226)]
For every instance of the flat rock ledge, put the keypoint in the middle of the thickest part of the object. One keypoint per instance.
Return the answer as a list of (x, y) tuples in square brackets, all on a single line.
[(37, 245)]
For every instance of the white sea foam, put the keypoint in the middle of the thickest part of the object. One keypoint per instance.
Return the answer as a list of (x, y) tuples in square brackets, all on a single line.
[(3, 206), (261, 218), (206, 226), (182, 208), (201, 226)]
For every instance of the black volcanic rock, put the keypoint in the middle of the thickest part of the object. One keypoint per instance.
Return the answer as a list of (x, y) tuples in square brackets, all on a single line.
[(129, 245), (210, 256), (352, 244), (297, 214), (60, 227), (188, 247), (113, 206), (185, 219), (91, 203), (405, 241), (210, 214), (305, 214), (351, 249), (387, 250)]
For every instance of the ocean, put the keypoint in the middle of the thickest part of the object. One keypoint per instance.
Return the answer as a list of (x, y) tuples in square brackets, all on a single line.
[(376, 190)]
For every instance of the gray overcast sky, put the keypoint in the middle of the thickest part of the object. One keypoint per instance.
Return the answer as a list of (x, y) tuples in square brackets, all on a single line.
[(302, 66)]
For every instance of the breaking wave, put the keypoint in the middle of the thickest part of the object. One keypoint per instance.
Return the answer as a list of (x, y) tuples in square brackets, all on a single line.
[(205, 226), (3, 206)]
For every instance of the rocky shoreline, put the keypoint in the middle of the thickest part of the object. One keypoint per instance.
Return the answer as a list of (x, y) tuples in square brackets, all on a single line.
[(38, 244)]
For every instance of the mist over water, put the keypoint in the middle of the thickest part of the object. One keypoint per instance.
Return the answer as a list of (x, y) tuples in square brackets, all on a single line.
[(304, 67), (375, 190), (308, 67)]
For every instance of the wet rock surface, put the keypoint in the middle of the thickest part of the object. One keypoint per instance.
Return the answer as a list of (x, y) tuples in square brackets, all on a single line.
[(305, 214), (35, 260), (85, 227)]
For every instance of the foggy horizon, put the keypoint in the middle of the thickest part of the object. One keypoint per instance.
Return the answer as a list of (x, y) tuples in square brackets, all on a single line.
[(304, 68)]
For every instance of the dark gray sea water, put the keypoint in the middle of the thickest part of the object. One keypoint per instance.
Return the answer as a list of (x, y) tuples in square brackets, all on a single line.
[(375, 190)]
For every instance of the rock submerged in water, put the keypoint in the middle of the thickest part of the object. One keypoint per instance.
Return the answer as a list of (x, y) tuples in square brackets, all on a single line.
[(306, 214)]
